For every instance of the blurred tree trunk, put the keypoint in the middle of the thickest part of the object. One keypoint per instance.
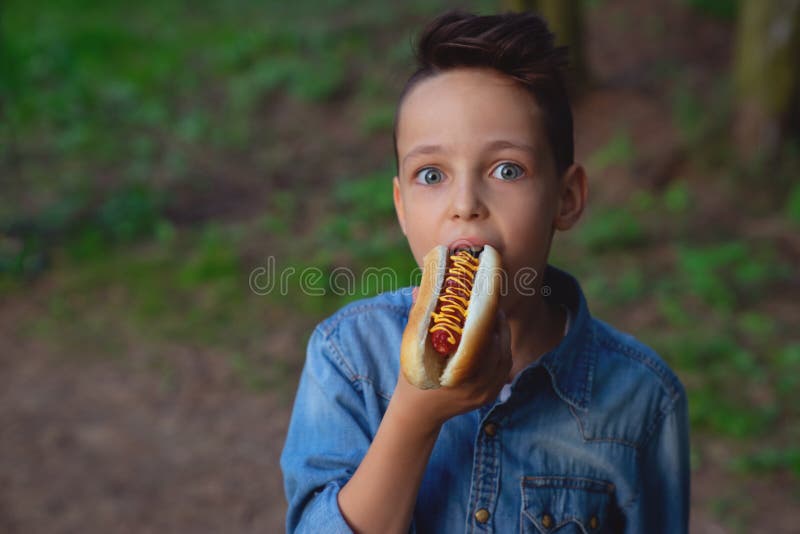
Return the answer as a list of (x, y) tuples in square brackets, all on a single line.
[(565, 18), (767, 75)]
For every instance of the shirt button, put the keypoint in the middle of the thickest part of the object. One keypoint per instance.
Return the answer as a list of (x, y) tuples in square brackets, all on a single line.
[(547, 521), (482, 515), (593, 522), (490, 429)]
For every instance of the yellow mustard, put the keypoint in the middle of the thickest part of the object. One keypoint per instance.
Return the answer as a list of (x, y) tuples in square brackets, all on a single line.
[(452, 305)]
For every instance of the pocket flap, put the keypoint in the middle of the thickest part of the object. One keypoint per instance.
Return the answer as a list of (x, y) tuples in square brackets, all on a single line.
[(551, 502)]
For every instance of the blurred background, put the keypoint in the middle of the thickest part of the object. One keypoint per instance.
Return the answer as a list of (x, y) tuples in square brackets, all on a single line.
[(155, 155)]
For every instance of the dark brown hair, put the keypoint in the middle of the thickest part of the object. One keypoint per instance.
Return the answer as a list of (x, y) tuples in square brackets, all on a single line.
[(519, 45)]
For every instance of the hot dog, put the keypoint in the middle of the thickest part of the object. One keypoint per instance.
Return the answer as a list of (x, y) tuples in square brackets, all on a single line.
[(451, 320)]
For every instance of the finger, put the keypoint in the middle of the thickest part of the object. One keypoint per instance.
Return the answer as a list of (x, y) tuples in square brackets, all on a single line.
[(414, 293)]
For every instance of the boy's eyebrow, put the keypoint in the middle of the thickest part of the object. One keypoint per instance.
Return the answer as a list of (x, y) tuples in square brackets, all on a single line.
[(502, 143), (494, 145), (422, 149)]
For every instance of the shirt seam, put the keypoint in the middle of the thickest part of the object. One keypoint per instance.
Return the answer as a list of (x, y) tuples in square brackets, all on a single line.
[(624, 442), (657, 428), (352, 376), (329, 326), (328, 331), (666, 378)]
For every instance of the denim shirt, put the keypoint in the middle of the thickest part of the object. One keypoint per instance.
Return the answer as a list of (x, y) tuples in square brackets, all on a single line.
[(593, 438)]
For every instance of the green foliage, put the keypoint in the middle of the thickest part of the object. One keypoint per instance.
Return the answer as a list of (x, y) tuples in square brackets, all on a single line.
[(378, 119), (688, 114), (21, 258), (722, 9), (672, 309), (281, 214), (725, 380), (630, 286), (793, 205), (676, 198), (787, 370), (721, 273), (366, 221), (101, 91), (215, 259), (618, 151), (769, 459), (611, 229), (643, 201), (712, 410), (719, 356), (130, 213), (756, 326), (367, 200), (322, 79), (248, 372)]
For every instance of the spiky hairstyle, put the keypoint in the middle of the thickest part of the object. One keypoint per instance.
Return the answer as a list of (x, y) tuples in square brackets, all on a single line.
[(519, 45)]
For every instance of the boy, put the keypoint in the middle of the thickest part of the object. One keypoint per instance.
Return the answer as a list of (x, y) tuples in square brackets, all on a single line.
[(571, 426)]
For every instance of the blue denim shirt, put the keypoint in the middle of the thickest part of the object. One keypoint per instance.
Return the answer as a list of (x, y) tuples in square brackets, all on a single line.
[(594, 436)]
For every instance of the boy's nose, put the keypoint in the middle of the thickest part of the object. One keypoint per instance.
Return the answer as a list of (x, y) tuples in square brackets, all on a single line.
[(467, 203)]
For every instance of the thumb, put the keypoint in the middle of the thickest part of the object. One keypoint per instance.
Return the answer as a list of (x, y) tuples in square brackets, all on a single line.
[(414, 293)]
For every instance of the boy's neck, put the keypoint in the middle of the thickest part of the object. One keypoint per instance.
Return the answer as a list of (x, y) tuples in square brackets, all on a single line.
[(535, 330)]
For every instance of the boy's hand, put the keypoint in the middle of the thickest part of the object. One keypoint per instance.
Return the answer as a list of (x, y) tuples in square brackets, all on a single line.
[(431, 408)]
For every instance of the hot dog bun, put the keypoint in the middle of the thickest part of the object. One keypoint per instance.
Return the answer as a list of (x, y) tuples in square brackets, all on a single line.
[(419, 361)]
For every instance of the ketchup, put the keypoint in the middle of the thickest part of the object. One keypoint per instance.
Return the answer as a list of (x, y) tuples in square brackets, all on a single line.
[(447, 320)]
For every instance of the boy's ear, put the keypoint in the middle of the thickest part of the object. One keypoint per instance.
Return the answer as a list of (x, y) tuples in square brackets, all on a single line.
[(572, 198), (398, 204)]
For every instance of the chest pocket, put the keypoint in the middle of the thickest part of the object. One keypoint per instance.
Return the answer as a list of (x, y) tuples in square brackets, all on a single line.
[(567, 505)]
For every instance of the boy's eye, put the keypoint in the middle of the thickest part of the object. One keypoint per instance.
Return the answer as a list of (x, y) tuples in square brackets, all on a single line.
[(507, 171), (429, 176)]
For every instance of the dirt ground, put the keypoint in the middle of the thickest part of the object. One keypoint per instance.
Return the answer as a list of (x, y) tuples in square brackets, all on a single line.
[(116, 445)]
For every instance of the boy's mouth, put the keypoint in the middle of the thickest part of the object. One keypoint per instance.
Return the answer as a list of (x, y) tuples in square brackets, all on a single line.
[(475, 250), (473, 245)]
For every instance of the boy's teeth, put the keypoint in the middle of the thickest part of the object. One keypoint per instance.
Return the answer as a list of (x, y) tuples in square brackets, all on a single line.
[(475, 251)]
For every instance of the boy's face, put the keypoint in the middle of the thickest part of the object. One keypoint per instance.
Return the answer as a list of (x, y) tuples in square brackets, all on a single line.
[(475, 165)]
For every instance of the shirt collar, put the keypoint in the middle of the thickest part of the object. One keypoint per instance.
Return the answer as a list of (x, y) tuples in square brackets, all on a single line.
[(572, 362)]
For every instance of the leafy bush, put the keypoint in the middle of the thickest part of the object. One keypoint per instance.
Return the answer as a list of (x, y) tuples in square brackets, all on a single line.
[(721, 273), (366, 200), (722, 9), (215, 259), (130, 213), (611, 229), (793, 205), (769, 459), (618, 151)]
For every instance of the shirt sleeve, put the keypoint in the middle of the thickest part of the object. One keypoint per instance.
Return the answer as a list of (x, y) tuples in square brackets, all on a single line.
[(327, 438), (663, 502)]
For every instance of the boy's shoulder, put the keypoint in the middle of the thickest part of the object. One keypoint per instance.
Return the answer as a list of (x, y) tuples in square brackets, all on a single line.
[(632, 384), (387, 307), (605, 360), (624, 353), (362, 339)]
